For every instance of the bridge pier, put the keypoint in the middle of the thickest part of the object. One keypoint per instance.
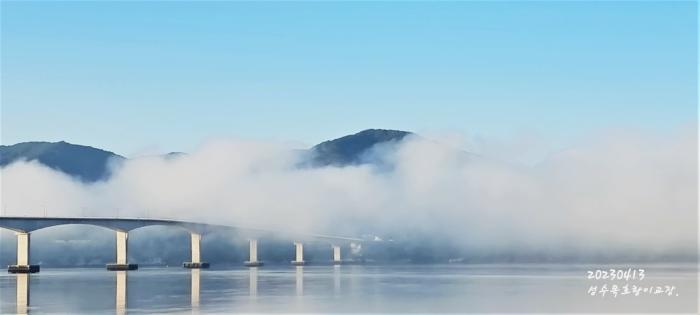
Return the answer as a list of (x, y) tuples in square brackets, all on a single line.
[(253, 254), (336, 255), (195, 239), (122, 244), (299, 248), (23, 265)]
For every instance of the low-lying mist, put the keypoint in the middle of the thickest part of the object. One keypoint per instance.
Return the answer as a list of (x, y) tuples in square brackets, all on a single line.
[(618, 195)]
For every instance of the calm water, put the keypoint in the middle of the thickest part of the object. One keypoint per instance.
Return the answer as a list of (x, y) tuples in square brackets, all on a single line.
[(325, 289)]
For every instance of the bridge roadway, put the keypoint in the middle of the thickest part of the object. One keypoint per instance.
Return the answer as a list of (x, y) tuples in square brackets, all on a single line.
[(24, 226)]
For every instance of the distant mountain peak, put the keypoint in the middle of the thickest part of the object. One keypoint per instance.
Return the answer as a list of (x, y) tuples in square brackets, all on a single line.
[(349, 150), (174, 155), (86, 163)]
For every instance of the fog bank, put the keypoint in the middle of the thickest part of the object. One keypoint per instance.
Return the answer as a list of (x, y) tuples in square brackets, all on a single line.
[(616, 192)]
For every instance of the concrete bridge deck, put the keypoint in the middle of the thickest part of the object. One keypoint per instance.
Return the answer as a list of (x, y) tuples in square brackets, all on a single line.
[(23, 226)]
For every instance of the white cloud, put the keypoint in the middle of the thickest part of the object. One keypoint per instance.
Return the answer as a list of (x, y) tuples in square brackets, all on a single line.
[(618, 190)]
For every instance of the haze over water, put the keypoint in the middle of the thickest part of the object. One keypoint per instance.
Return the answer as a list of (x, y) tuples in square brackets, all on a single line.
[(329, 289)]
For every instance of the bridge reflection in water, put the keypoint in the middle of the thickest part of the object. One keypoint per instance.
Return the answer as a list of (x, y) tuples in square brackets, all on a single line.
[(253, 282), (300, 280), (122, 297), (336, 280), (22, 293), (194, 288)]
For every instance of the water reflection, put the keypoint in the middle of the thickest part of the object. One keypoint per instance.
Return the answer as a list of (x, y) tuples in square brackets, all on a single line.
[(336, 280), (120, 300), (253, 281), (300, 280), (194, 288), (22, 293), (343, 289)]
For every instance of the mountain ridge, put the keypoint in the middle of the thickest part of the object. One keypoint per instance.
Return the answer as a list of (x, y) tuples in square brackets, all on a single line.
[(349, 150), (90, 164)]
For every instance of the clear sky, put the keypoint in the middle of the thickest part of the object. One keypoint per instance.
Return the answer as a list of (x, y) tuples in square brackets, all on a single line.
[(129, 76)]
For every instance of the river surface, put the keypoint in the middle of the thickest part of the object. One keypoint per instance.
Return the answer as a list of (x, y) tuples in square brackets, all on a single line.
[(343, 289)]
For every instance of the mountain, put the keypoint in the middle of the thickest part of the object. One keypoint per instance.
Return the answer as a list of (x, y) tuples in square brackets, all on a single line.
[(174, 155), (350, 150), (85, 163), (91, 164)]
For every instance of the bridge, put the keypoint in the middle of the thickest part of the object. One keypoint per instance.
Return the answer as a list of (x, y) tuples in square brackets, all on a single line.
[(24, 226)]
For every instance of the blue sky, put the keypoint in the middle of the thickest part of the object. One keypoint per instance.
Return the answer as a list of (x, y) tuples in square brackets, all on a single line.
[(133, 76)]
